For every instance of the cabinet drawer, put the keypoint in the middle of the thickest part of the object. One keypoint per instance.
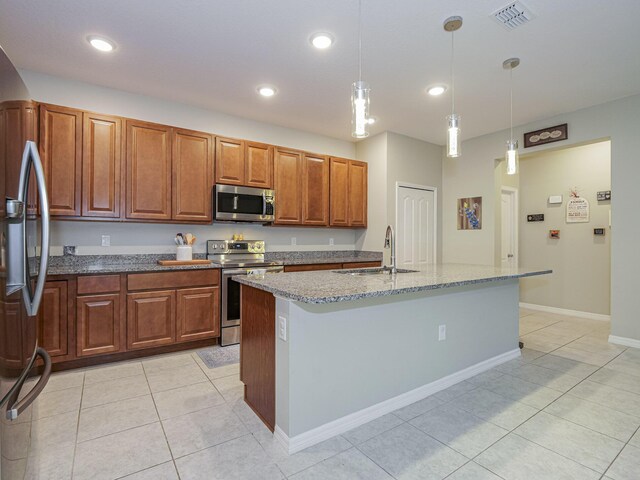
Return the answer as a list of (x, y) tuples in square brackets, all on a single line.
[(179, 279), (309, 268), (98, 284), (361, 264)]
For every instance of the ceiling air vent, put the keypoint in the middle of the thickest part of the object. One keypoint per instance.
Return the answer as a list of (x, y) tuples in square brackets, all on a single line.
[(513, 15)]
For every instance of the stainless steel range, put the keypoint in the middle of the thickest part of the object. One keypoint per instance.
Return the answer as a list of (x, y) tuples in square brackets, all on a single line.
[(236, 258)]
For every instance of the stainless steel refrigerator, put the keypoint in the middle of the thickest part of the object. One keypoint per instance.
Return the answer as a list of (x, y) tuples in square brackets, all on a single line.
[(24, 252)]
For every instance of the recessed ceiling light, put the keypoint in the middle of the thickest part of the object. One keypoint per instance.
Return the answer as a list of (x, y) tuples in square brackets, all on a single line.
[(436, 90), (267, 91), (101, 43), (321, 40)]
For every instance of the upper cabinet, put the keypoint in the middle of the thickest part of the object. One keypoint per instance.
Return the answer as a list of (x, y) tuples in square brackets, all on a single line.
[(315, 190), (288, 187), (101, 165), (229, 161), (61, 152), (348, 193), (148, 171), (239, 162), (192, 176)]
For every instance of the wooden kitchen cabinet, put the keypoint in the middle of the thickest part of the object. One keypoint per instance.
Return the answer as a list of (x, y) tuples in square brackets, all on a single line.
[(230, 165), (101, 165), (99, 324), (258, 165), (312, 267), (12, 328), (53, 319), (192, 176), (339, 192), (348, 193), (288, 187), (315, 190), (151, 319), (198, 314), (148, 160), (61, 153), (357, 194)]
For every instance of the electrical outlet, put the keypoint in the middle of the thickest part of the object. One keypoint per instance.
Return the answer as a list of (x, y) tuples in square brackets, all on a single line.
[(442, 333), (294, 241), (106, 240), (331, 241), (282, 328)]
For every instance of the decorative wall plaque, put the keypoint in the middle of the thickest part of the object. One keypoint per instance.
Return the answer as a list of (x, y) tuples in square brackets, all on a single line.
[(535, 217), (546, 135), (470, 213), (554, 234), (598, 231), (577, 208), (605, 195)]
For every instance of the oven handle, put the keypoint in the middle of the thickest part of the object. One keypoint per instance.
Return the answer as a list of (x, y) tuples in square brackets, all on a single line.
[(244, 271)]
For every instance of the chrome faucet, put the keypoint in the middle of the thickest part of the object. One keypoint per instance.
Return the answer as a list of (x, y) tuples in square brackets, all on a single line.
[(389, 242)]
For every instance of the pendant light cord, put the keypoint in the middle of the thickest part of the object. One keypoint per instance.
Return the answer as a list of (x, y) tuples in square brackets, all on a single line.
[(453, 88), (511, 102), (359, 40)]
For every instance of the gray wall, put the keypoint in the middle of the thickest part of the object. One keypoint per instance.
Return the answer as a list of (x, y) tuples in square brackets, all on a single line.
[(474, 174), (581, 262)]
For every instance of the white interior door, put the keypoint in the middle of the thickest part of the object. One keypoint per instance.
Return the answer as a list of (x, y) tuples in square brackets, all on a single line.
[(416, 226), (509, 254)]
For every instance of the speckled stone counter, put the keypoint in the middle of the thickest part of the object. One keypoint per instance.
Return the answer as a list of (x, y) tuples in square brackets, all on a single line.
[(329, 256), (95, 264), (331, 286)]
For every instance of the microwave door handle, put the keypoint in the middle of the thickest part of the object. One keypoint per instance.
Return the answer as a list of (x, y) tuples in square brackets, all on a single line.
[(31, 158), (264, 203)]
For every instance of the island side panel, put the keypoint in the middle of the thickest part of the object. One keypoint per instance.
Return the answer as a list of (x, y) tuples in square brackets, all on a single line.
[(346, 357), (258, 358)]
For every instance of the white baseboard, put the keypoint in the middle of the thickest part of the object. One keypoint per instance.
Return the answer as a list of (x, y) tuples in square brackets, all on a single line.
[(343, 424), (625, 341), (565, 311)]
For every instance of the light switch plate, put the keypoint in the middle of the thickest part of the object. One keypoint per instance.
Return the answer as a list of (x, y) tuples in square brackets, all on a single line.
[(442, 333), (106, 240), (555, 199)]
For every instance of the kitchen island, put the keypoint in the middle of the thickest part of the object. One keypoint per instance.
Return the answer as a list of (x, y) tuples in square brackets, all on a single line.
[(324, 352)]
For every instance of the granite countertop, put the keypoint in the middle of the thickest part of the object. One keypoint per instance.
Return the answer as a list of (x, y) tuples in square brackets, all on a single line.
[(331, 287), (98, 264)]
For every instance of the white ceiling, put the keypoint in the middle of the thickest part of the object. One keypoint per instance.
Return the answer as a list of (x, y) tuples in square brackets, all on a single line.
[(214, 53)]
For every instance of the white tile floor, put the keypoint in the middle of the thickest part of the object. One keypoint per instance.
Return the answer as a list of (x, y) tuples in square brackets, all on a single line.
[(568, 409)]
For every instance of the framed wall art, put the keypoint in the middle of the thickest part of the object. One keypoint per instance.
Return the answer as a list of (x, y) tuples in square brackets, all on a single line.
[(470, 213), (546, 135)]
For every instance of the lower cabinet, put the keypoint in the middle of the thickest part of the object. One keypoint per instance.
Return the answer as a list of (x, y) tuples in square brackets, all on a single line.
[(198, 314), (329, 266), (99, 323), (151, 319), (53, 319)]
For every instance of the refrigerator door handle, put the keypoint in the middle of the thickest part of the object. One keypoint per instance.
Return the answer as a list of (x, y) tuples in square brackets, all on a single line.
[(31, 158), (15, 407)]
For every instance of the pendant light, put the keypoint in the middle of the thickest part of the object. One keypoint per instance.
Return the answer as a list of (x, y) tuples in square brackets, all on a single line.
[(452, 24), (359, 92), (511, 156)]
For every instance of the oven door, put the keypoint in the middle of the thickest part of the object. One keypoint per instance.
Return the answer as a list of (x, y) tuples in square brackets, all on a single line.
[(230, 314)]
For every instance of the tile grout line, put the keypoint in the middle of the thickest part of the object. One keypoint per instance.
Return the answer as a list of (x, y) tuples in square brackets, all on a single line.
[(75, 444)]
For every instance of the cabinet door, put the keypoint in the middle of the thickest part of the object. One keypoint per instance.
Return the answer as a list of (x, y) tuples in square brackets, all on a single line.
[(98, 323), (101, 154), (258, 165), (192, 176), (229, 161), (339, 192), (53, 319), (61, 152), (313, 267), (357, 194), (315, 190), (288, 187), (148, 171), (18, 123), (151, 319), (12, 331), (198, 314)]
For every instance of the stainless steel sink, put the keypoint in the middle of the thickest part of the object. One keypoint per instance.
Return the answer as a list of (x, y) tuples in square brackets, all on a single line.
[(373, 271)]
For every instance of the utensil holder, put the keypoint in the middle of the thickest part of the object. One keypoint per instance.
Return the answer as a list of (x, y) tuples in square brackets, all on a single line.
[(184, 252)]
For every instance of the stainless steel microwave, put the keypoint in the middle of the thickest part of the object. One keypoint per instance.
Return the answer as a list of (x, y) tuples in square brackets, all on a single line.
[(244, 204)]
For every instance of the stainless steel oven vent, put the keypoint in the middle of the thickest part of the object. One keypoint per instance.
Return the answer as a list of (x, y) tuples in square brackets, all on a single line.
[(513, 15)]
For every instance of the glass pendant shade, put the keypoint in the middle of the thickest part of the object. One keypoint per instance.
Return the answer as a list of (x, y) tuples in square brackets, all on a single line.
[(359, 109), (511, 157), (453, 135)]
